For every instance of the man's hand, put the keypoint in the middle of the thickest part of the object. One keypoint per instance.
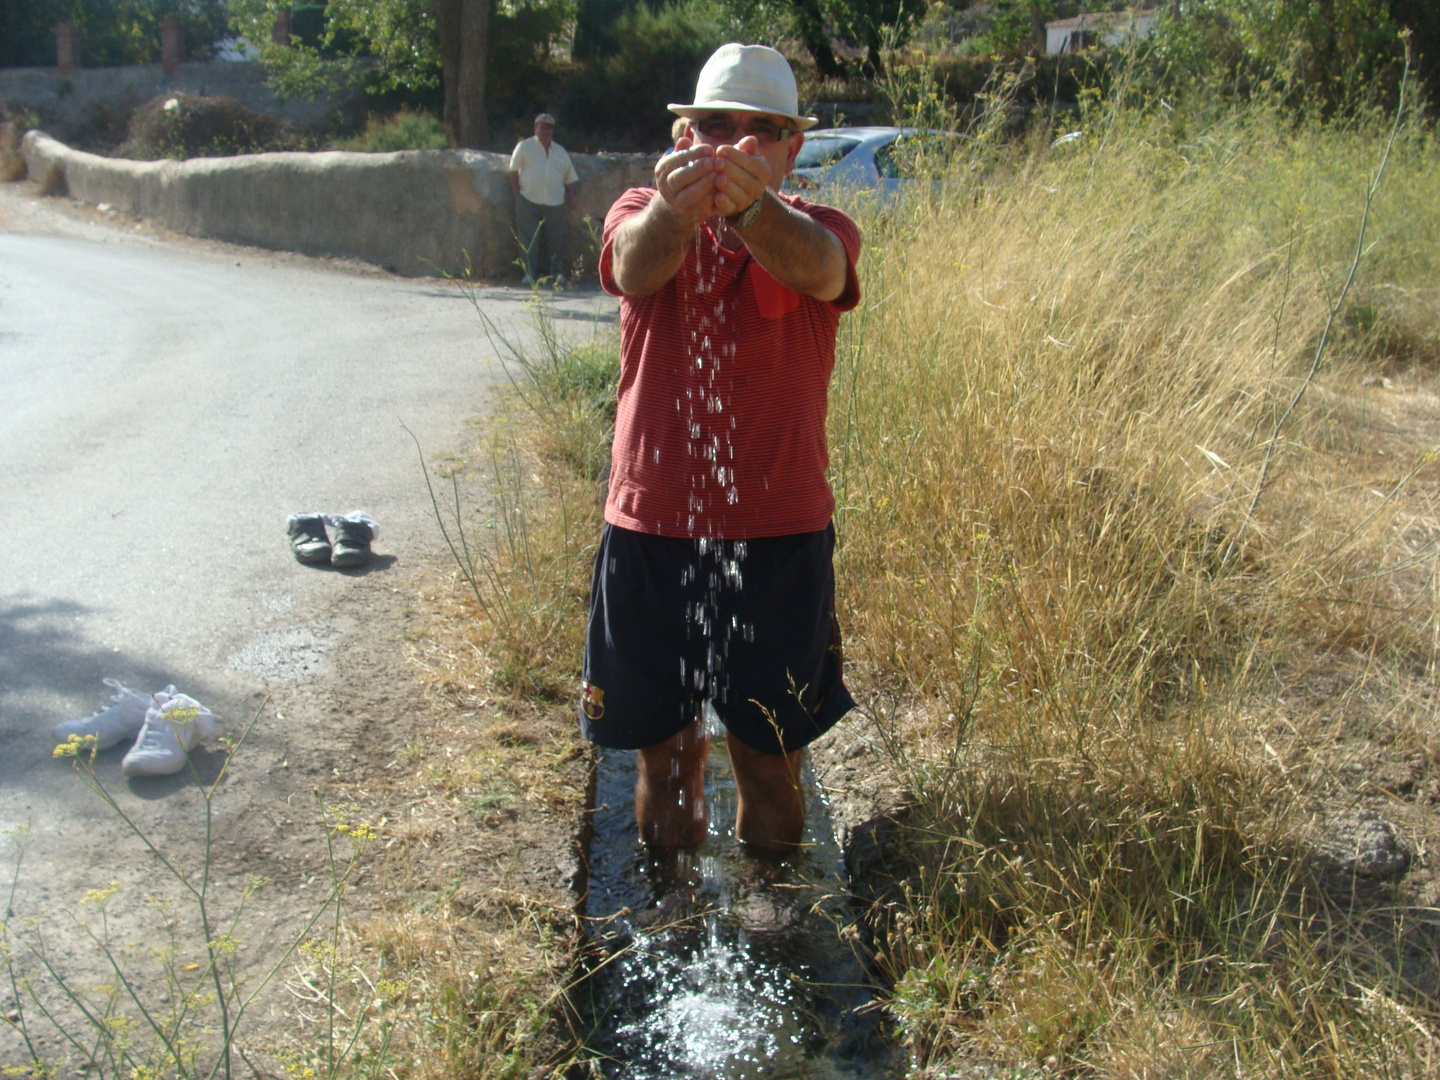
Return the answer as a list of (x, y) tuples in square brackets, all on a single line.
[(702, 181), (741, 176)]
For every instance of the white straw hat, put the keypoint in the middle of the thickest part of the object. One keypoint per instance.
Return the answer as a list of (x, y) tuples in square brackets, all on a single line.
[(753, 78)]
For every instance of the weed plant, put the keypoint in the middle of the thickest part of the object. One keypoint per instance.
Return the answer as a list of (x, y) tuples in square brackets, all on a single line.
[(181, 1006), (404, 130), (527, 566)]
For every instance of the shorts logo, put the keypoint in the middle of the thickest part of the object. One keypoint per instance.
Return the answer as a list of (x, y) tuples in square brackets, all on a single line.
[(592, 701)]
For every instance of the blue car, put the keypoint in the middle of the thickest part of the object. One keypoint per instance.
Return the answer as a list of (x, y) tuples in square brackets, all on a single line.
[(882, 159)]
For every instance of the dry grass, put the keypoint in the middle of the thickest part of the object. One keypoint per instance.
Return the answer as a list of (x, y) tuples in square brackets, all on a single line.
[(1050, 420), (478, 935), (1124, 703)]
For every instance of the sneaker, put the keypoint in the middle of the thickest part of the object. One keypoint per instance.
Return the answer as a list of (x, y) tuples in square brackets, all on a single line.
[(560, 282), (120, 718), (527, 282), (173, 727), (353, 534), (307, 537)]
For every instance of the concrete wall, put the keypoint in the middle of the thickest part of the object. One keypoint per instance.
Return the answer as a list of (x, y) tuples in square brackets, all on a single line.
[(414, 212), (71, 98)]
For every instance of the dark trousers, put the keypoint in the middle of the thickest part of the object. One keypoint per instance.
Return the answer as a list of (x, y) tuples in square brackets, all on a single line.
[(536, 224)]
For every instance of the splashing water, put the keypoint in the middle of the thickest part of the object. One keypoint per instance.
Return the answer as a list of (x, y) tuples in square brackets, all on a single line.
[(725, 967)]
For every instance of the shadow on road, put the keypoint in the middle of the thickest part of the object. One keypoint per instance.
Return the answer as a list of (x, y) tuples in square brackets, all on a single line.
[(207, 765), (376, 563), (49, 672)]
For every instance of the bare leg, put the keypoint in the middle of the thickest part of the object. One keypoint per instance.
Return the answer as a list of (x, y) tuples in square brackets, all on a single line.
[(670, 789), (771, 811)]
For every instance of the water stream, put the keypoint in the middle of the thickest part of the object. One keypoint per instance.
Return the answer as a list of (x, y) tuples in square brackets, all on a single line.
[(719, 965)]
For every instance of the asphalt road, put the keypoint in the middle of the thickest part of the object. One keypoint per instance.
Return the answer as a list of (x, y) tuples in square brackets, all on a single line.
[(164, 404)]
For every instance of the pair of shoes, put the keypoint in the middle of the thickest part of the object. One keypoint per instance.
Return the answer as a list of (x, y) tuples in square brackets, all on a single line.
[(353, 534), (165, 725)]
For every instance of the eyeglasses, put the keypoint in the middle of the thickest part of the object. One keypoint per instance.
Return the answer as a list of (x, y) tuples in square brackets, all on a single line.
[(723, 129)]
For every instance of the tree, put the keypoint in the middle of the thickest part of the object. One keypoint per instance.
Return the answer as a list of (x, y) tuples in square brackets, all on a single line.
[(112, 32), (876, 23), (1320, 51), (810, 24), (409, 45), (463, 33)]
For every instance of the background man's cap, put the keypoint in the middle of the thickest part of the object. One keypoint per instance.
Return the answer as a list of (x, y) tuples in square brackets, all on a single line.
[(545, 118), (753, 78)]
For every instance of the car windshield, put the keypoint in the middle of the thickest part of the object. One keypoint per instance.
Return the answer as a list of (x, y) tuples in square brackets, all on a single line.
[(920, 153), (824, 150)]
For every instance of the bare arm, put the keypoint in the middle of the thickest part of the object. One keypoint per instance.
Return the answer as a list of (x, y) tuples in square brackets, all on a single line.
[(648, 249), (514, 183), (797, 250)]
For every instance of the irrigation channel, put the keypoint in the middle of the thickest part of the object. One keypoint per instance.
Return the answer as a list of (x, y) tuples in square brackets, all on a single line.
[(724, 967)]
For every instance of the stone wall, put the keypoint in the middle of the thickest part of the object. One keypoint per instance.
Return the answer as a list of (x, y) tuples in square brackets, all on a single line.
[(415, 212)]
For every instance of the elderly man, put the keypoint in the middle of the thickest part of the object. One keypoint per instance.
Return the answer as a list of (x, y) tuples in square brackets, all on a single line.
[(543, 180), (713, 586)]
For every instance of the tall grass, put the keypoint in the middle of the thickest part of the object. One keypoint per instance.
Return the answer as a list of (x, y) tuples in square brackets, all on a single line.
[(1049, 421), (1109, 649)]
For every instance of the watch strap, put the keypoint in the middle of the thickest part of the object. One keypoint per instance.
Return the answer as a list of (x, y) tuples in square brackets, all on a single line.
[(745, 218)]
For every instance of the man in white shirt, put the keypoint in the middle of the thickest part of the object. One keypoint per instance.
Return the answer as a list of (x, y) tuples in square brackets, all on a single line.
[(543, 180)]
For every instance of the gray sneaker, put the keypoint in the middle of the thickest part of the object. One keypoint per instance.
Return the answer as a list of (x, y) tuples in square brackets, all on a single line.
[(353, 534), (307, 537), (118, 719), (174, 725)]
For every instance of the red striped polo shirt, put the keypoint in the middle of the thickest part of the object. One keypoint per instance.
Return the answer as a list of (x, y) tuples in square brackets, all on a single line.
[(720, 430)]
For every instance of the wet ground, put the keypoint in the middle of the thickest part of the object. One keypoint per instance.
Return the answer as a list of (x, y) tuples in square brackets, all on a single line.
[(716, 964)]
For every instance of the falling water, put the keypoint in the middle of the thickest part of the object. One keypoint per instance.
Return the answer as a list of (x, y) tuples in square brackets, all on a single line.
[(716, 964)]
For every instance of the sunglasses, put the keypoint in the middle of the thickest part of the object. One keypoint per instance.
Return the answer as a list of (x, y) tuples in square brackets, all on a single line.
[(723, 129)]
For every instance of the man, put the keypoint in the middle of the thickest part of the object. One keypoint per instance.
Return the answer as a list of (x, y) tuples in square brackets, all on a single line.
[(543, 180), (713, 586)]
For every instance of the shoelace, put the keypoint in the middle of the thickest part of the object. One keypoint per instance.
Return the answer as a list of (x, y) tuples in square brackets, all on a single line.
[(120, 697), (152, 736)]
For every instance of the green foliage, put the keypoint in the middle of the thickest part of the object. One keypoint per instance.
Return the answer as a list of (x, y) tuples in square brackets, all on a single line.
[(1325, 52), (655, 60), (184, 126), (876, 23), (520, 38), (761, 22), (112, 32), (406, 130), (391, 45), (297, 69), (1012, 30)]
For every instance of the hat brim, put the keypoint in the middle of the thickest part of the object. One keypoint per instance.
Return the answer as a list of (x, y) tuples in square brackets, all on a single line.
[(700, 108)]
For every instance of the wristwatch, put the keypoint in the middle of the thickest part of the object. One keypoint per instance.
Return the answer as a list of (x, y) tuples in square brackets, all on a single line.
[(745, 218)]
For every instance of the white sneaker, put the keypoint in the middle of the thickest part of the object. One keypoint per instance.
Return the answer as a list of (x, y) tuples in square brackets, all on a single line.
[(174, 726), (120, 718)]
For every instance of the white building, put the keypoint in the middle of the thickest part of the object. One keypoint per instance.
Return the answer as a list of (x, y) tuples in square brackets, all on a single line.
[(1097, 28)]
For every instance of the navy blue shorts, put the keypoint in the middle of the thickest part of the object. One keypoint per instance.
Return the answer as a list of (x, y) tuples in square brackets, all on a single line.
[(748, 625)]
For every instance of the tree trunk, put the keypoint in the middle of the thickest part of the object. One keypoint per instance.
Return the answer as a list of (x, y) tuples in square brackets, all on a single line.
[(811, 24), (1038, 18), (463, 30)]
